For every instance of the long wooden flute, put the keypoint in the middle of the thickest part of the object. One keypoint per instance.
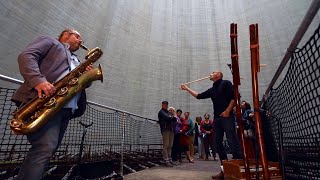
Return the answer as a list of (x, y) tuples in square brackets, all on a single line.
[(207, 77)]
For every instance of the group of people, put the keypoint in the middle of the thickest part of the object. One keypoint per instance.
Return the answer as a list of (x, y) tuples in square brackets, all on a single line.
[(182, 134), (48, 59), (222, 96), (177, 134)]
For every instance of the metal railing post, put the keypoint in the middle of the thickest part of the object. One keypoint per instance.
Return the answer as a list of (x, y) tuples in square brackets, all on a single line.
[(123, 127)]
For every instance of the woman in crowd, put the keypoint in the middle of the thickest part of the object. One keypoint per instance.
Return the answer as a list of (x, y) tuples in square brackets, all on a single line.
[(208, 136), (247, 115), (190, 134), (176, 142), (198, 138), (184, 139)]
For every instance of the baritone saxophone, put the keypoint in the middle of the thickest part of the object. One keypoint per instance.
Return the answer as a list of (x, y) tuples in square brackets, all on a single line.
[(36, 113)]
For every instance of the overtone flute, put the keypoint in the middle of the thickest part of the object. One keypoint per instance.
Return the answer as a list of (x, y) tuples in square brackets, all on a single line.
[(207, 77)]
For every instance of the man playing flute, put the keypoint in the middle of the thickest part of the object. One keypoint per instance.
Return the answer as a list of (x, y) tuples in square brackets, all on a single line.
[(222, 96)]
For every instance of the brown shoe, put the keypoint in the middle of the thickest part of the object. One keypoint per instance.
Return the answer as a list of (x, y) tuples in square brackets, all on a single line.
[(218, 176), (167, 164)]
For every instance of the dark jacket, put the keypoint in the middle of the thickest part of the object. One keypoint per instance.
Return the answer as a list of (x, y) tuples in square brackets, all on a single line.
[(197, 133), (221, 94), (167, 123)]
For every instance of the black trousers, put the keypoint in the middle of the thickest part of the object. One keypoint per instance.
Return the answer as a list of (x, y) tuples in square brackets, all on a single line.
[(176, 148), (226, 125), (208, 142)]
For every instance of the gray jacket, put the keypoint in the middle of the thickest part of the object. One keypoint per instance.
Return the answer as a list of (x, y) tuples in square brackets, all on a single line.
[(45, 59)]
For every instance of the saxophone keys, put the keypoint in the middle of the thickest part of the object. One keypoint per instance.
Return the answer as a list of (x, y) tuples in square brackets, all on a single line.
[(50, 103), (73, 81), (62, 91), (15, 111), (43, 96), (16, 123), (35, 116)]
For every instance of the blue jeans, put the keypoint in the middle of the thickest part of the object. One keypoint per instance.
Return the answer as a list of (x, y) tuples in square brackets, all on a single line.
[(226, 125), (44, 143)]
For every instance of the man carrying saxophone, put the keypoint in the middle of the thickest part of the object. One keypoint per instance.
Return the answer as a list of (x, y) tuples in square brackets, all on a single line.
[(42, 62)]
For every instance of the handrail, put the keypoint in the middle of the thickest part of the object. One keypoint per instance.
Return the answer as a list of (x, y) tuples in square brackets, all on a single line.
[(9, 79), (17, 81), (311, 13)]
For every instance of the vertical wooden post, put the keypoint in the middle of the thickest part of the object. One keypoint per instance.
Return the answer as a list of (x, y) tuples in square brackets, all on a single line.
[(255, 68), (236, 83)]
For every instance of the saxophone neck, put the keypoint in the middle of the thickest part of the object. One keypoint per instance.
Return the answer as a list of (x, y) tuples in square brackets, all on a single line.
[(84, 47), (94, 54)]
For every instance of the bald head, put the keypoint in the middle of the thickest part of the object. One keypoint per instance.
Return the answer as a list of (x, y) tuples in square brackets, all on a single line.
[(71, 37), (215, 76)]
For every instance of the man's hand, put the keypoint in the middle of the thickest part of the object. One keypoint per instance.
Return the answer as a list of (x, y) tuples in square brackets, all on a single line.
[(225, 114), (89, 67), (183, 87), (46, 88)]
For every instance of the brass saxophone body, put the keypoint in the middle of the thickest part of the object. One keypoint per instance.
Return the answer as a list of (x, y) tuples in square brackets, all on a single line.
[(36, 113)]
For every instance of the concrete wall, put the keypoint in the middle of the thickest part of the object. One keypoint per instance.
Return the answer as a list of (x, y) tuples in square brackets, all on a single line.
[(151, 47)]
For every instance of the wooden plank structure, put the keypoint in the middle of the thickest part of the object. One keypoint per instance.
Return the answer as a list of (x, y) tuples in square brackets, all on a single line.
[(235, 170), (248, 168), (236, 83)]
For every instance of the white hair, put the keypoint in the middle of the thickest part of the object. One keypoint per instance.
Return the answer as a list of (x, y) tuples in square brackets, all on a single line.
[(172, 109)]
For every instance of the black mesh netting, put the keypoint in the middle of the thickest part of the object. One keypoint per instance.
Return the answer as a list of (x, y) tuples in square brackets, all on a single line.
[(295, 103), (125, 141)]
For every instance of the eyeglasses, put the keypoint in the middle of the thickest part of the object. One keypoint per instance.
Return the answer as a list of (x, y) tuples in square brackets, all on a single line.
[(76, 35)]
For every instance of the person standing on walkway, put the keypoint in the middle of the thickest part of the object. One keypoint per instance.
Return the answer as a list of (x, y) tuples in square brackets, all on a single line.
[(198, 137), (167, 126), (222, 96), (184, 139), (208, 135), (190, 134), (181, 148), (176, 141), (45, 60)]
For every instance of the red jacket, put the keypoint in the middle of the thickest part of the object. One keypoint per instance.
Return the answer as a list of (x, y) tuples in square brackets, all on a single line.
[(184, 139), (204, 127)]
